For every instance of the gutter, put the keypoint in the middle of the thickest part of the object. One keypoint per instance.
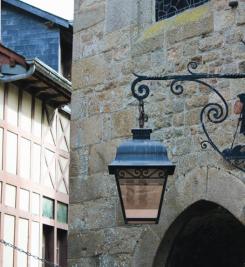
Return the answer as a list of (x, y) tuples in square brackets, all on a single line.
[(38, 68), (13, 78)]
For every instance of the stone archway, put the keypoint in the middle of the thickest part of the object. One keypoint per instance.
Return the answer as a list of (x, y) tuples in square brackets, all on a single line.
[(196, 193), (205, 234)]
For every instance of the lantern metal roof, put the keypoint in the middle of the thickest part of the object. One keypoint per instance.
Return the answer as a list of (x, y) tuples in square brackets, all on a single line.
[(142, 152)]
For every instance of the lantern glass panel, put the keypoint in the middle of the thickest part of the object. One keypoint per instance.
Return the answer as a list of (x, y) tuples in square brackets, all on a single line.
[(141, 193)]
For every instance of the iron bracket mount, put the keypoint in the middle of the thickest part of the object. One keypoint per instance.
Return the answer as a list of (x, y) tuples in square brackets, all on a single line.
[(215, 112)]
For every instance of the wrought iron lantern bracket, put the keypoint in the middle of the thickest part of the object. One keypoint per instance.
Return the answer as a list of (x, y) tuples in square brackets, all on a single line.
[(212, 112)]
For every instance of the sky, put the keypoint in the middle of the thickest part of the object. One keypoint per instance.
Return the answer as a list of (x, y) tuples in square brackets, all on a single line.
[(61, 8)]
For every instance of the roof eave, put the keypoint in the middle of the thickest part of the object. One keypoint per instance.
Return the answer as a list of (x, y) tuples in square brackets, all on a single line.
[(41, 69)]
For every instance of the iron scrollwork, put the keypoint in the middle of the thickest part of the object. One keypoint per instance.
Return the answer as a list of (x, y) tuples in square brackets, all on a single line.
[(141, 173), (213, 112)]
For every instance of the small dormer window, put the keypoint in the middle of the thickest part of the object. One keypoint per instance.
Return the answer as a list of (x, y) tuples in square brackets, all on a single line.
[(169, 8)]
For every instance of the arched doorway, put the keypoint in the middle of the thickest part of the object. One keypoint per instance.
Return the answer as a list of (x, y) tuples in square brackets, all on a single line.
[(204, 235)]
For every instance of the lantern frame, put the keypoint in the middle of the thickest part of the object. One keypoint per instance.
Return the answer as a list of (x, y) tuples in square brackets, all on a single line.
[(141, 220)]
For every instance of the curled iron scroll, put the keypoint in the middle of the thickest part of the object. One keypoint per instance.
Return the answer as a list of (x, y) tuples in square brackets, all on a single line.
[(142, 91)]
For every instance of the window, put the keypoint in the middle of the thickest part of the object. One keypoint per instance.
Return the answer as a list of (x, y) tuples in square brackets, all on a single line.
[(61, 252), (62, 212), (168, 8), (48, 244), (48, 208)]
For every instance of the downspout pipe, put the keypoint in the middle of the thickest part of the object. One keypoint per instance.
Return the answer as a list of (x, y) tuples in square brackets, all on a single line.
[(13, 78)]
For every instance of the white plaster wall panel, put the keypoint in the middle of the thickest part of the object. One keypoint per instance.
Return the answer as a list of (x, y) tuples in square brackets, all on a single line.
[(1, 100), (37, 124), (47, 130), (36, 163), (25, 158), (61, 183), (65, 168), (63, 174), (35, 243), (11, 153), (59, 128), (35, 204), (12, 107), (62, 187), (60, 137), (51, 116), (22, 242), (24, 200), (8, 235), (65, 128), (50, 157), (26, 107), (46, 175), (0, 192), (10, 195), (1, 148)]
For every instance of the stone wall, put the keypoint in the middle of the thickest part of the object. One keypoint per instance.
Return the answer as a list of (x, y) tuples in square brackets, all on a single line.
[(113, 39)]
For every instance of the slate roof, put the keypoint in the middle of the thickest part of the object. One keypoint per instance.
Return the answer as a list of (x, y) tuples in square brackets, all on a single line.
[(39, 13)]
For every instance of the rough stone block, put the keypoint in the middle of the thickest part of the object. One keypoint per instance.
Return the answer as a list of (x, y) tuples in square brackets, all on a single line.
[(86, 188), (101, 155), (127, 241), (197, 101), (94, 214), (144, 254), (211, 43), (75, 138), (143, 46), (240, 19), (226, 190), (178, 120), (91, 130), (193, 186), (120, 14), (87, 43), (89, 71), (89, 16), (89, 244), (108, 241), (183, 146), (79, 162), (120, 260), (123, 122), (192, 117), (162, 122), (116, 39), (199, 22), (223, 19), (79, 104), (84, 262)]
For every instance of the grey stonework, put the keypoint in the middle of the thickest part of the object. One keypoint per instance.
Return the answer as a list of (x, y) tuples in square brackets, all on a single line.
[(113, 39)]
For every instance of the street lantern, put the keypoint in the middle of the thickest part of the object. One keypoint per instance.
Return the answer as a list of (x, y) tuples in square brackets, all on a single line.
[(141, 169)]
